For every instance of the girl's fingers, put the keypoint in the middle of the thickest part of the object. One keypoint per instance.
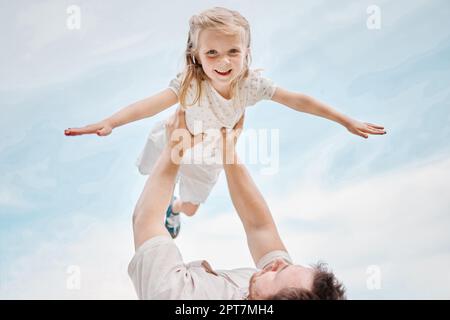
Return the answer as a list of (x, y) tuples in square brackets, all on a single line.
[(373, 131), (360, 133), (376, 129), (90, 129), (374, 125), (73, 132), (78, 131)]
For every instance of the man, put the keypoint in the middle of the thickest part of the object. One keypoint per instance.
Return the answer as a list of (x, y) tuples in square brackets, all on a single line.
[(157, 268)]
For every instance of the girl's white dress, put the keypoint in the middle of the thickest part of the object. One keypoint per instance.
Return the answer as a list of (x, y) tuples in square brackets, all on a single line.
[(212, 111)]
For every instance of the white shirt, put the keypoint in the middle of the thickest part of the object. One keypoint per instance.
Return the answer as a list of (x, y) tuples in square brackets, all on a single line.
[(157, 271), (214, 111)]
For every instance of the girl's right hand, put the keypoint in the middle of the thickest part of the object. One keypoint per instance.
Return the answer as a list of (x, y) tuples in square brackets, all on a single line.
[(102, 128)]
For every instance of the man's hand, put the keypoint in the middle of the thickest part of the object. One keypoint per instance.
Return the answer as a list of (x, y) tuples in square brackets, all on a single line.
[(102, 128), (229, 140), (363, 129), (180, 138)]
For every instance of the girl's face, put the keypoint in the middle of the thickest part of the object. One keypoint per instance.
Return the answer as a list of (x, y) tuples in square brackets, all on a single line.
[(222, 56)]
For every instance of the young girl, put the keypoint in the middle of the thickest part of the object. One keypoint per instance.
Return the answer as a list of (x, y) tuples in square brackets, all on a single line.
[(215, 87)]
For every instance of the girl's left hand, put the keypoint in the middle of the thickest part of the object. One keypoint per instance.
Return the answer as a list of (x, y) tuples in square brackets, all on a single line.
[(363, 129)]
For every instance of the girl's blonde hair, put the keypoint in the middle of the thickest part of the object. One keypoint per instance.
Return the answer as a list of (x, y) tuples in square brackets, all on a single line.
[(218, 19)]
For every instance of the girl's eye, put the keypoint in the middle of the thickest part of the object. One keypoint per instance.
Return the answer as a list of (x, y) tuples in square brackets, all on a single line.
[(233, 51)]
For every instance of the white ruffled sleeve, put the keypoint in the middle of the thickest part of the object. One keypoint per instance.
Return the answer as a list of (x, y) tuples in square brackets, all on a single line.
[(175, 84), (259, 88)]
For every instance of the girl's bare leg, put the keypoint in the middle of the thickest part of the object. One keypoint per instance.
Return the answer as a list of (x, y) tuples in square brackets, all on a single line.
[(187, 208)]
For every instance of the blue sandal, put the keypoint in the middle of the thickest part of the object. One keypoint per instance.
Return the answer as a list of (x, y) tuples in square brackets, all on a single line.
[(173, 222)]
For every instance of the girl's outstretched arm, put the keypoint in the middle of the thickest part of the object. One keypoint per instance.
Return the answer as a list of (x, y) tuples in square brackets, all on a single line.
[(304, 103), (136, 111)]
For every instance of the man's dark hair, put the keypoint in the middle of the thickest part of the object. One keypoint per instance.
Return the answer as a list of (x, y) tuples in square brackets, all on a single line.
[(325, 287)]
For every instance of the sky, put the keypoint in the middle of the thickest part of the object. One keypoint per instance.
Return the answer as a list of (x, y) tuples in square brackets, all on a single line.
[(377, 210)]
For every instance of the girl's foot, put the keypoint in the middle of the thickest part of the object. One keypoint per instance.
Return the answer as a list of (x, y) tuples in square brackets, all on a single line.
[(173, 222), (187, 208)]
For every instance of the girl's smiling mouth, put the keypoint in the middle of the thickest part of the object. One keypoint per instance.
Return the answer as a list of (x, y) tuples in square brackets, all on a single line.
[(223, 73)]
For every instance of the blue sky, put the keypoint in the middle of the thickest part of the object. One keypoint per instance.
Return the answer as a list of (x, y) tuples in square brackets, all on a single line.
[(352, 202)]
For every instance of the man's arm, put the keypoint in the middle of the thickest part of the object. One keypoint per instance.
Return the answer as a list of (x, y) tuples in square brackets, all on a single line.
[(149, 213), (259, 226)]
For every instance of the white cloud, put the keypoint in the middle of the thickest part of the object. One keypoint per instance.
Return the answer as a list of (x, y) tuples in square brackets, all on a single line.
[(397, 220), (101, 252), (11, 198), (40, 24), (120, 44), (42, 45)]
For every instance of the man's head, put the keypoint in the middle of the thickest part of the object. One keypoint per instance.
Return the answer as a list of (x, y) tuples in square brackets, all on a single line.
[(283, 281)]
